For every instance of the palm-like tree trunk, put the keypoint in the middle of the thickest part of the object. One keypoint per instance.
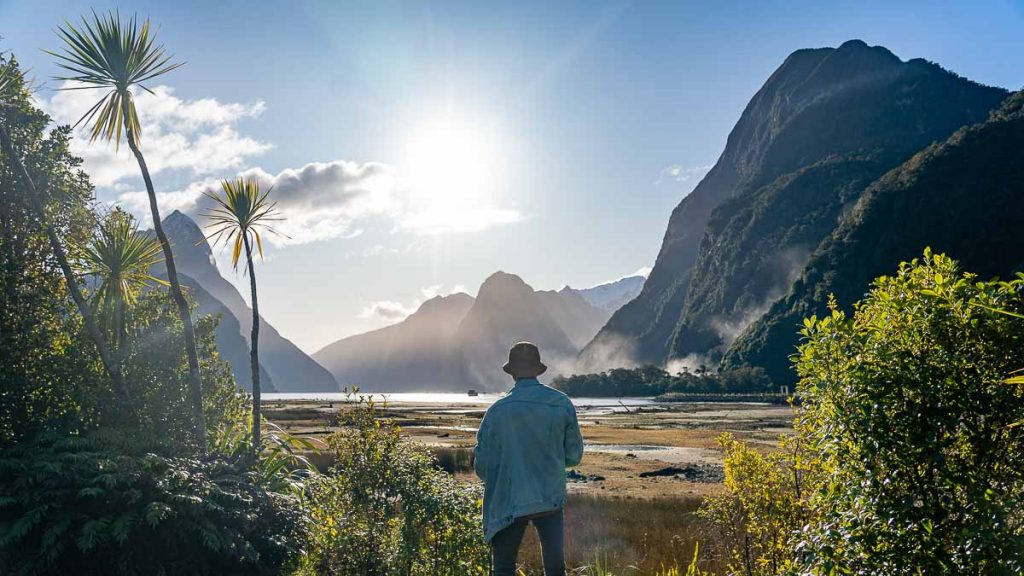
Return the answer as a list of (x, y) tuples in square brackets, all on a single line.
[(121, 331), (254, 344), (112, 367), (195, 377)]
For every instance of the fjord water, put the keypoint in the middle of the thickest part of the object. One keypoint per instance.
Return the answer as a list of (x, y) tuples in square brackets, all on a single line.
[(445, 398)]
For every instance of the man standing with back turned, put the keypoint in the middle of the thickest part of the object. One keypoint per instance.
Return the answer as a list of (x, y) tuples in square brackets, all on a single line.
[(525, 442)]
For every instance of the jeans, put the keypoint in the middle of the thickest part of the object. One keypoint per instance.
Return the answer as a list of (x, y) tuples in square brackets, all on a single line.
[(505, 544)]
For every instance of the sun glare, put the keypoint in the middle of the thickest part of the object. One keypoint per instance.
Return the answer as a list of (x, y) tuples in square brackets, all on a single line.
[(451, 164)]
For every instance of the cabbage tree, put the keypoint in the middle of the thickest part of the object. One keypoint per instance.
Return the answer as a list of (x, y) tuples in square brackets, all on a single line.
[(240, 213), (106, 53)]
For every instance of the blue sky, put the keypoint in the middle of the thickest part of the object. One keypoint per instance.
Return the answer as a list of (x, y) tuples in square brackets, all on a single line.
[(419, 147)]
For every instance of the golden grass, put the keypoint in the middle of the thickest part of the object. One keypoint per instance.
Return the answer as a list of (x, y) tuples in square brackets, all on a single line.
[(625, 536)]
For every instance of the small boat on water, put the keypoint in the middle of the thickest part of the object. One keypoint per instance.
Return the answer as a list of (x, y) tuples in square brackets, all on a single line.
[(472, 393)]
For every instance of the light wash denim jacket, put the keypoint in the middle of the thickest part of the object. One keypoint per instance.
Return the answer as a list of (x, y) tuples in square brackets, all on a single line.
[(525, 442)]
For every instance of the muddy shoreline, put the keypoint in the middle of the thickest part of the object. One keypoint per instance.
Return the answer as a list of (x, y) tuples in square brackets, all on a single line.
[(622, 442)]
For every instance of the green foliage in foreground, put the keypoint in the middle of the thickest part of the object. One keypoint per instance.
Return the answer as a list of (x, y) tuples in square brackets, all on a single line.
[(103, 505), (767, 501), (907, 403), (51, 377), (384, 508), (652, 381), (42, 359), (909, 456), (119, 257)]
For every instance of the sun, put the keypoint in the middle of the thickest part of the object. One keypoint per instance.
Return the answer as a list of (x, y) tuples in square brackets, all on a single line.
[(451, 163)]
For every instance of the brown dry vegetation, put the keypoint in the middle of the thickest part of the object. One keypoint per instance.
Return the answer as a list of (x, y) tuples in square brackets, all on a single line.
[(627, 535)]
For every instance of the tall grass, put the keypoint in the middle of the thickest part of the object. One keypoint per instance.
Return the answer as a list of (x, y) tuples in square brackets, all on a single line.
[(626, 536), (453, 459)]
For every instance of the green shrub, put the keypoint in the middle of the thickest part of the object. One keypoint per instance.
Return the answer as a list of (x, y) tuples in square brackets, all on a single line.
[(767, 501), (384, 508), (43, 363), (907, 402), (101, 505), (156, 371)]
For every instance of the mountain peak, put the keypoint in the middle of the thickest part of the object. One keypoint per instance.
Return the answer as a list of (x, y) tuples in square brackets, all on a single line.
[(824, 125), (609, 296), (501, 276), (185, 232), (502, 283), (177, 217), (853, 43)]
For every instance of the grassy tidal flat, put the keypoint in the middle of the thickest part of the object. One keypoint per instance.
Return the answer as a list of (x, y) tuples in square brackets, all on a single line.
[(644, 473)]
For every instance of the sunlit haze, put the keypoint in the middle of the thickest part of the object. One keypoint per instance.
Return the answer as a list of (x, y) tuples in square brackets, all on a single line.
[(415, 148)]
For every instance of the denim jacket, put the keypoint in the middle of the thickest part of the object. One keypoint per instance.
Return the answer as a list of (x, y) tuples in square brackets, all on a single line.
[(525, 442)]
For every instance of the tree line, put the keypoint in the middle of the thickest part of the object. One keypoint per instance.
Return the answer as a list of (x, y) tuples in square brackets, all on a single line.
[(651, 380)]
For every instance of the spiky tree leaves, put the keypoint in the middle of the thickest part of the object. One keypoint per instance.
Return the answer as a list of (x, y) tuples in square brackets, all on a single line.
[(120, 257), (119, 56), (106, 53), (238, 217)]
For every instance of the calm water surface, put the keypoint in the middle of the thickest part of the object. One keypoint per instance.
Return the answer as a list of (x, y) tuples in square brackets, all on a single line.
[(447, 398)]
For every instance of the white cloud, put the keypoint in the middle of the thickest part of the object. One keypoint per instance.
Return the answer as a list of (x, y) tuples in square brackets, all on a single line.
[(198, 140), (197, 136), (436, 290), (187, 200), (388, 310), (680, 173), (325, 200), (318, 201), (392, 311)]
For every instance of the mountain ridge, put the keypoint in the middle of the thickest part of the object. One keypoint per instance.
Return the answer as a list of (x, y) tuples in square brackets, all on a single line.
[(291, 369), (458, 342), (824, 125), (962, 196)]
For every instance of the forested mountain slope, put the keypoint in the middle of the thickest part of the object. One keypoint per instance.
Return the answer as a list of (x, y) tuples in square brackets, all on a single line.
[(964, 197), (824, 125)]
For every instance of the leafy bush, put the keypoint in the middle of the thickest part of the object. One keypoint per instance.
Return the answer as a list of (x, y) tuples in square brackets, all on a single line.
[(156, 372), (765, 504), (43, 364), (281, 465), (100, 505), (386, 509), (907, 402)]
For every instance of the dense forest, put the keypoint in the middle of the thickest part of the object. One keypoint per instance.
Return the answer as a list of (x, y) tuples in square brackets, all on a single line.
[(651, 381)]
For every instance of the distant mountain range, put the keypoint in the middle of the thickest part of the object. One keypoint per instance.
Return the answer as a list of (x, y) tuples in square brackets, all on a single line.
[(451, 342), (847, 161), (611, 296), (418, 353), (286, 367), (814, 142), (459, 342)]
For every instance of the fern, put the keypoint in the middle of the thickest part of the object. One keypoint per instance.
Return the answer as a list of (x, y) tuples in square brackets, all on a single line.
[(114, 509)]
